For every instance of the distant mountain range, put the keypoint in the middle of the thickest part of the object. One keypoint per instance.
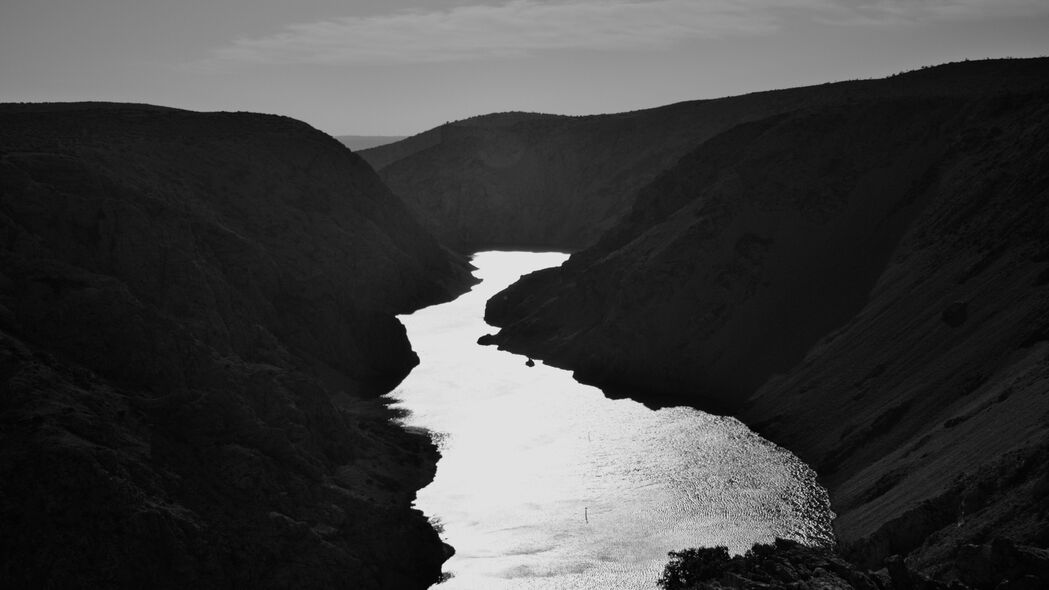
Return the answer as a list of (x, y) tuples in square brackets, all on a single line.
[(363, 142)]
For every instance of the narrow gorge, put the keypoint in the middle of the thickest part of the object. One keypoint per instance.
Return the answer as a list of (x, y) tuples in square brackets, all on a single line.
[(840, 289), (857, 270)]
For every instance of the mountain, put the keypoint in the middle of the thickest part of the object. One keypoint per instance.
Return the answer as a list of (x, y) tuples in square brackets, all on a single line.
[(196, 319), (529, 180), (865, 280), (363, 142)]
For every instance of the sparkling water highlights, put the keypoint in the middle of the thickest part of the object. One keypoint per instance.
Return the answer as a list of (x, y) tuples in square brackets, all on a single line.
[(545, 483)]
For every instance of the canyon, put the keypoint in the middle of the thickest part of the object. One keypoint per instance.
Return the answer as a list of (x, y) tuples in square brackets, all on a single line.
[(857, 270), (198, 320)]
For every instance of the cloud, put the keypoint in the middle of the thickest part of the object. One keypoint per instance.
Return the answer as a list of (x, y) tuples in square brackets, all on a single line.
[(519, 28), (902, 12), (514, 29)]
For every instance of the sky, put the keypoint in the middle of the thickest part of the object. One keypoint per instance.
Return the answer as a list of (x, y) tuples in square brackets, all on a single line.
[(399, 67)]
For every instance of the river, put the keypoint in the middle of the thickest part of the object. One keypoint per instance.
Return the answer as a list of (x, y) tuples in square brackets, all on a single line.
[(544, 483)]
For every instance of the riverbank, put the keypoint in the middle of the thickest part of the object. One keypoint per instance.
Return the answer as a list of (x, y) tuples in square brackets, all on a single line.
[(864, 283), (546, 482)]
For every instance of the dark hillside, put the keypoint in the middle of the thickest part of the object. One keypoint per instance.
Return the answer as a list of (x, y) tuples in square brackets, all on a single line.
[(196, 314), (865, 283), (543, 181)]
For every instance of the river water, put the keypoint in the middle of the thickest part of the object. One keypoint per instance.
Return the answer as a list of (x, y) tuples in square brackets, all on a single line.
[(545, 483)]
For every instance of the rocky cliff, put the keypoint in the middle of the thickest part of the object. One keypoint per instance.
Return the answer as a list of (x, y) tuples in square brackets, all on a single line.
[(196, 317), (864, 281), (552, 182)]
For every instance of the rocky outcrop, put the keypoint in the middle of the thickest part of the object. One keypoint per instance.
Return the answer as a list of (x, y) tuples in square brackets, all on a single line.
[(196, 317), (862, 282), (532, 181)]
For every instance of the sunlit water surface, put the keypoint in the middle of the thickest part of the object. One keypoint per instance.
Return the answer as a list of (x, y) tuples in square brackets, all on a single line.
[(546, 483)]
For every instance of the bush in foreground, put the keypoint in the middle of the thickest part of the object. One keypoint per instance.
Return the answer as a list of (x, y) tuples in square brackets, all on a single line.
[(777, 565)]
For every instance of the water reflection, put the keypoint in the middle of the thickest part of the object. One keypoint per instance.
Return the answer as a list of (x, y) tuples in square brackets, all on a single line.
[(545, 483)]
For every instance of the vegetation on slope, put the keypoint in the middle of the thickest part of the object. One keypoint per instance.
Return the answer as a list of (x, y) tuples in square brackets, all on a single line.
[(196, 314), (552, 182), (864, 282)]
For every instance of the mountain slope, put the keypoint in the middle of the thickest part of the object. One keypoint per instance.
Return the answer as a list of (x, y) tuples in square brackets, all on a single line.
[(545, 181), (196, 314), (865, 283)]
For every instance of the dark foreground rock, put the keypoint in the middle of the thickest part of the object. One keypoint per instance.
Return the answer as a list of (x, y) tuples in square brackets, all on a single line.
[(1000, 565), (196, 317), (864, 283)]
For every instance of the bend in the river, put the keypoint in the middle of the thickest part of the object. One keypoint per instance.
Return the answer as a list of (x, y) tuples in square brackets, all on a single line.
[(546, 483)]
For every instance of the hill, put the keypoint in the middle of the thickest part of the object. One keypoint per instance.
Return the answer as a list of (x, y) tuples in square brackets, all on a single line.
[(532, 181), (196, 317), (864, 281)]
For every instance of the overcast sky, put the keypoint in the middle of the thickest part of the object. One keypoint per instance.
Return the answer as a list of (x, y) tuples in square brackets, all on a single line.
[(397, 67)]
